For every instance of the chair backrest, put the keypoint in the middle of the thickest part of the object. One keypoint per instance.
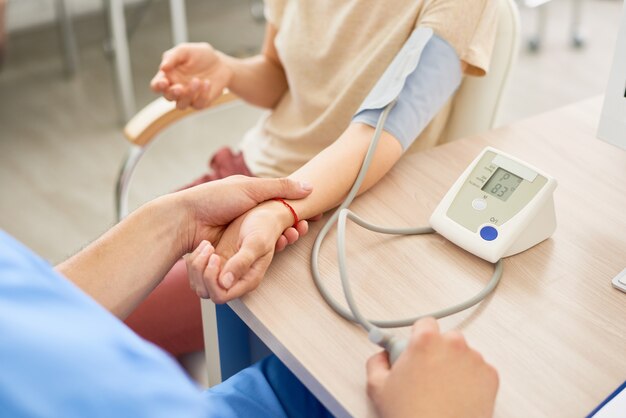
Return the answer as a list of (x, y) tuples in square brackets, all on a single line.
[(478, 100)]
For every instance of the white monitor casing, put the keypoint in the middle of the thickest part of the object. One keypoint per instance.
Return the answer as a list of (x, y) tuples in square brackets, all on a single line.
[(612, 126), (532, 224)]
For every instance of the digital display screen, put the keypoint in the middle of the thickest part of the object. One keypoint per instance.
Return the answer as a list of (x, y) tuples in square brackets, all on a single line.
[(502, 184)]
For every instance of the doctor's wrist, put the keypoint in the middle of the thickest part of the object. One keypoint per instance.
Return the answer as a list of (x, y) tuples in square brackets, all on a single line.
[(180, 210), (167, 223)]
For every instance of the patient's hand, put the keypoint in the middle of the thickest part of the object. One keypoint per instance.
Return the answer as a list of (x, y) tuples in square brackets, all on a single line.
[(192, 74), (241, 257)]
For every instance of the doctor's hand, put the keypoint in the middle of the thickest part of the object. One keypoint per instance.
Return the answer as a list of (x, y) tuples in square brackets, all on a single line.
[(437, 375), (243, 253), (192, 74), (209, 208)]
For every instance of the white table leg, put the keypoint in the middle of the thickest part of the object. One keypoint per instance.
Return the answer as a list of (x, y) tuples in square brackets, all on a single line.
[(211, 342), (179, 21), (123, 72)]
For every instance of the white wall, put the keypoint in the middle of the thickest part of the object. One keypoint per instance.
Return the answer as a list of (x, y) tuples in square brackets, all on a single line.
[(22, 14)]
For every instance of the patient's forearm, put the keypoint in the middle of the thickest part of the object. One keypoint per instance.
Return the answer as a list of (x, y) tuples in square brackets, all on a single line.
[(333, 171), (259, 80), (120, 268)]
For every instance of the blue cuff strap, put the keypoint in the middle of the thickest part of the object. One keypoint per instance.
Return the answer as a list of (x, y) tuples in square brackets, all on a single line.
[(422, 78)]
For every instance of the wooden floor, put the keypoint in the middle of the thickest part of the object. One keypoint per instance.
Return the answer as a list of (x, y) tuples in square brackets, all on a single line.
[(61, 143)]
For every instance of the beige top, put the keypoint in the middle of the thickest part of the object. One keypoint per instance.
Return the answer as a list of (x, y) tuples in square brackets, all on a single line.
[(333, 52)]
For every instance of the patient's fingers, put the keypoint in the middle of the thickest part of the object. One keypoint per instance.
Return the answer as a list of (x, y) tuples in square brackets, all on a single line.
[(211, 274), (159, 82), (251, 279), (214, 93), (302, 228), (172, 93), (186, 94), (252, 249), (203, 99), (194, 89), (316, 217), (281, 244), (196, 264), (174, 57), (291, 234), (242, 273)]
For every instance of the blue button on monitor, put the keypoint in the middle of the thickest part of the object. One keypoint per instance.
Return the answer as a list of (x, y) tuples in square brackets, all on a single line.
[(488, 233)]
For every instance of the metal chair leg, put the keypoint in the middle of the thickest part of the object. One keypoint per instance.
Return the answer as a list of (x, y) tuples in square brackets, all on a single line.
[(123, 180), (578, 41), (179, 21), (534, 43), (3, 34)]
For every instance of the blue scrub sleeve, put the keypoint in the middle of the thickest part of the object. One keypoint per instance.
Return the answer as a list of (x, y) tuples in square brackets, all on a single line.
[(267, 389), (63, 355), (426, 90)]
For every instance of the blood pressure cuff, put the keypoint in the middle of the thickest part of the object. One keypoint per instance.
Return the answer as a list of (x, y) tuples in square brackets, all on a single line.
[(421, 78)]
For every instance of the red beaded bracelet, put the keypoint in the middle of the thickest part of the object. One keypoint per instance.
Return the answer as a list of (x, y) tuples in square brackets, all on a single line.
[(293, 212)]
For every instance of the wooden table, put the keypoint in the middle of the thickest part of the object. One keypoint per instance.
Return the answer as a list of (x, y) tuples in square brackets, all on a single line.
[(555, 328)]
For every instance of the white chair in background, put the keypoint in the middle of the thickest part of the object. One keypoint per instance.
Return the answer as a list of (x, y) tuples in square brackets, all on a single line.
[(118, 44), (475, 110), (535, 41)]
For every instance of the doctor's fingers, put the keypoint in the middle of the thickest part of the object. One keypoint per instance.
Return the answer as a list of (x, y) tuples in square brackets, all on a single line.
[(425, 334), (260, 189), (250, 280), (196, 263), (378, 369)]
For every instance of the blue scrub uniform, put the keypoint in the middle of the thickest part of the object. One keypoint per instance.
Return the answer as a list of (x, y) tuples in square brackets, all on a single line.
[(63, 355)]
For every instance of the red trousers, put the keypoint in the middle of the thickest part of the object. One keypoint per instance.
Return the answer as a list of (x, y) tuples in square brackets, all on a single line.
[(170, 316)]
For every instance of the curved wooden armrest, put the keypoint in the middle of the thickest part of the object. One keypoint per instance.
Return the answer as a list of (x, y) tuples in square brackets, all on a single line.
[(159, 114)]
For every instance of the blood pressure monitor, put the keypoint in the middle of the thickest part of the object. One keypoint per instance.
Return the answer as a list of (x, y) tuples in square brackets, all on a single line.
[(500, 206)]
